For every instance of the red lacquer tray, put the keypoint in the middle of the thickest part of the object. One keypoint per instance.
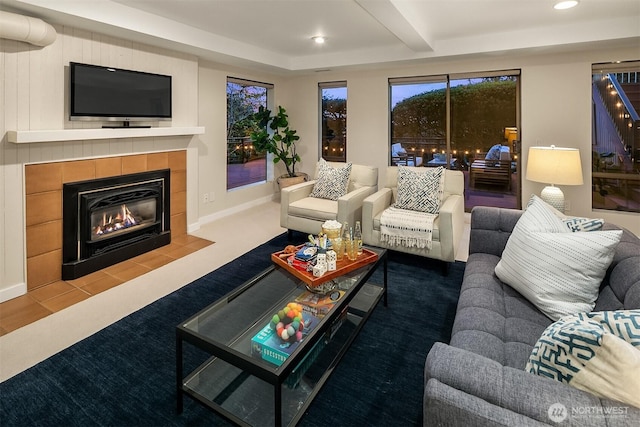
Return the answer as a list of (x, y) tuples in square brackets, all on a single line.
[(344, 266)]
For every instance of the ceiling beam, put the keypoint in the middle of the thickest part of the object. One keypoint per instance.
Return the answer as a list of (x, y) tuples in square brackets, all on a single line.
[(387, 14)]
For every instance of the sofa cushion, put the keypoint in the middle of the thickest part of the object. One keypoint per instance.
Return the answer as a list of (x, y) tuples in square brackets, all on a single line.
[(494, 152), (492, 319), (332, 183), (314, 208), (558, 271), (420, 189), (597, 352)]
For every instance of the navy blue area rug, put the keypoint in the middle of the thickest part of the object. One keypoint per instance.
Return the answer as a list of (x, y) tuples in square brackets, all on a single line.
[(124, 375)]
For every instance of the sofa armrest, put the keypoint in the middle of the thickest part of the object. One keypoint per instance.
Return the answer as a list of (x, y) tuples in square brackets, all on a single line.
[(292, 194), (372, 206), (491, 228), (516, 390), (350, 205), (451, 226)]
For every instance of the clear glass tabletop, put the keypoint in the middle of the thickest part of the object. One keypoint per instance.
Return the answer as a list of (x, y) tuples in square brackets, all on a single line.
[(248, 389)]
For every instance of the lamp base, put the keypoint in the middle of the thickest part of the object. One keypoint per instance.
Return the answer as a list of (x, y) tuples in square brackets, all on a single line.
[(553, 196)]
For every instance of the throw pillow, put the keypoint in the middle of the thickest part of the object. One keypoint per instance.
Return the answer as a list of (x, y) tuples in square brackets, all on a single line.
[(494, 152), (540, 216), (595, 352), (420, 189), (558, 271), (332, 183), (572, 223), (583, 224), (492, 158)]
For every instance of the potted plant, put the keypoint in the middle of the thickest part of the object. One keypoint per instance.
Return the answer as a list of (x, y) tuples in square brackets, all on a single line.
[(281, 142)]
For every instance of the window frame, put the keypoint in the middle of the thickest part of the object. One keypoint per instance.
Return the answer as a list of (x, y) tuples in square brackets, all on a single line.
[(269, 168), (321, 137)]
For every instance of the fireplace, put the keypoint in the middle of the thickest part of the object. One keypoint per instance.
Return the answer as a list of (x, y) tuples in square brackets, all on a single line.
[(109, 220)]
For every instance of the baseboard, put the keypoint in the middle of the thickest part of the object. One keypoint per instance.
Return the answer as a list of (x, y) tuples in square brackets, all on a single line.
[(231, 211), (13, 291)]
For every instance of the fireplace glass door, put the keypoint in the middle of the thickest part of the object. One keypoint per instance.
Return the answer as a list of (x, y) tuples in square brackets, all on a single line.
[(115, 220), (109, 220)]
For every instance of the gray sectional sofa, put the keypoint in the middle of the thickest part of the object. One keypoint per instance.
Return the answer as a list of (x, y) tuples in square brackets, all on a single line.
[(479, 378)]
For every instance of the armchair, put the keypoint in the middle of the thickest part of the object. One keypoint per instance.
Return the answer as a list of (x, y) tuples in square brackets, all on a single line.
[(447, 227), (302, 213)]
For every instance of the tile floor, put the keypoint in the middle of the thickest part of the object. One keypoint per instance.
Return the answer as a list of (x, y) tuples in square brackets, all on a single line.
[(57, 296)]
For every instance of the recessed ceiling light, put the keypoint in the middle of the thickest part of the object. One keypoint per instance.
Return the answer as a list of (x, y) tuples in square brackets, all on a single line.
[(318, 39), (566, 4)]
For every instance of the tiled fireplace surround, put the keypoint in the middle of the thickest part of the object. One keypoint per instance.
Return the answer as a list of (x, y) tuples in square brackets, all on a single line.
[(43, 207)]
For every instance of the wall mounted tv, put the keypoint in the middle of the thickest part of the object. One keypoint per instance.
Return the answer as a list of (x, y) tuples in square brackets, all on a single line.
[(112, 94)]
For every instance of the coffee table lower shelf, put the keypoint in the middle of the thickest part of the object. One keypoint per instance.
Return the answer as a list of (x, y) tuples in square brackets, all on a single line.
[(248, 400)]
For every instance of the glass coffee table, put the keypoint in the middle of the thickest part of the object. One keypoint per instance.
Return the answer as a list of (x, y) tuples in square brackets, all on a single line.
[(236, 381)]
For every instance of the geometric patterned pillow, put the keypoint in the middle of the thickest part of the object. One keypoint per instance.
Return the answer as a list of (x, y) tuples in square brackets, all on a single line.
[(596, 352), (583, 224), (332, 182), (420, 189)]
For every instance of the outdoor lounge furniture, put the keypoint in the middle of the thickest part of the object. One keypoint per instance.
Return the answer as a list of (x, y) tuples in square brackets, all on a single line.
[(302, 213), (492, 170), (400, 156), (440, 159), (447, 227)]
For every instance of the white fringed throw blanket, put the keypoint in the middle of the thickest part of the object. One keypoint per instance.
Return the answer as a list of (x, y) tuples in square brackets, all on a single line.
[(401, 227)]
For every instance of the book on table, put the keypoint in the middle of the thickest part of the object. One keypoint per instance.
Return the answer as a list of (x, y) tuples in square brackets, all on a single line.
[(267, 345)]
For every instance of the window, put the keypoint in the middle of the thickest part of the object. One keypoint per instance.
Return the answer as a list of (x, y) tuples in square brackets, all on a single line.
[(454, 121), (418, 119), (333, 110), (616, 136), (245, 165)]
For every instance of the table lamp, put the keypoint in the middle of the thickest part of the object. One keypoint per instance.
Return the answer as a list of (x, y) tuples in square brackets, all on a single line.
[(556, 166)]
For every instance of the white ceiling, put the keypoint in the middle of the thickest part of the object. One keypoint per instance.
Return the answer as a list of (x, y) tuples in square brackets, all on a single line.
[(276, 34)]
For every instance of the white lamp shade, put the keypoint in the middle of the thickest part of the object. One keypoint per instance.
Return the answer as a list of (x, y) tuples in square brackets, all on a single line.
[(554, 165)]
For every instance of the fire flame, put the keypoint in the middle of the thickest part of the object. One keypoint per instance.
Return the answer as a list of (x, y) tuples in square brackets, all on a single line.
[(123, 219)]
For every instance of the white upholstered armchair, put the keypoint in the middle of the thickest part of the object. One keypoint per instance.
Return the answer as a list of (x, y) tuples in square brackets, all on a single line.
[(447, 227), (300, 212)]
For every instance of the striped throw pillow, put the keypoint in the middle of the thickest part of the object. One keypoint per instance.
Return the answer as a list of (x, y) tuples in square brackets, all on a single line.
[(556, 270)]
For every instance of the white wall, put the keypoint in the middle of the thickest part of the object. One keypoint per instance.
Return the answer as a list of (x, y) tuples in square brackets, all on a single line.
[(212, 146), (556, 109), (33, 92)]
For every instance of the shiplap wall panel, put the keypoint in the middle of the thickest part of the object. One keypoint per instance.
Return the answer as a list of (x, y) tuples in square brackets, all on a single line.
[(4, 243), (35, 86)]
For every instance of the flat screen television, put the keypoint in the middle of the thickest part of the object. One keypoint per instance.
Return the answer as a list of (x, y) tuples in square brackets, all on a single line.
[(113, 94)]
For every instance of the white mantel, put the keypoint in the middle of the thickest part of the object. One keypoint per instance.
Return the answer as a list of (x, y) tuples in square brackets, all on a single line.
[(33, 136)]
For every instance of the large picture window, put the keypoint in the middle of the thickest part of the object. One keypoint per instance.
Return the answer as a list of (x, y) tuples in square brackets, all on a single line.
[(467, 122), (333, 116), (245, 165), (616, 136)]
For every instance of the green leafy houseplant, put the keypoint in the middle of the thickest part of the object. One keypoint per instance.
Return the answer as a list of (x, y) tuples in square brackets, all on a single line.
[(281, 142)]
